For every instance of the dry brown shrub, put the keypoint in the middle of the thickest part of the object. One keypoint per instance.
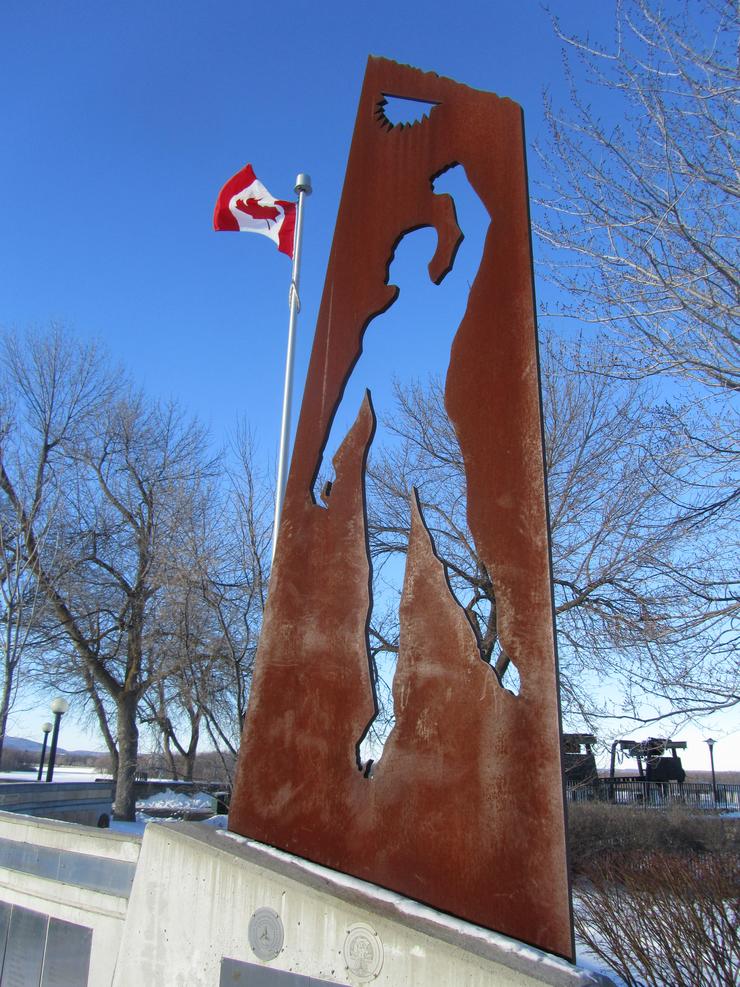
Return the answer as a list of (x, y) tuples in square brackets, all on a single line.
[(663, 919)]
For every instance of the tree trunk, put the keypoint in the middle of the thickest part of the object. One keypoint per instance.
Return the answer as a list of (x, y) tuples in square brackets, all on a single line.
[(192, 751), (128, 748), (114, 766), (169, 755), (190, 757), (4, 706), (102, 717)]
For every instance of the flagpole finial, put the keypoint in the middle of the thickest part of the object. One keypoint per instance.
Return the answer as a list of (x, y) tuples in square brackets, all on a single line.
[(303, 184)]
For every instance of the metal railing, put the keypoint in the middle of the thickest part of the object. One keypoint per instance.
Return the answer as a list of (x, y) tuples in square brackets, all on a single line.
[(638, 792)]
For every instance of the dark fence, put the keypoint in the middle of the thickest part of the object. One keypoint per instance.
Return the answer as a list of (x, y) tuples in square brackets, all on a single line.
[(637, 791)]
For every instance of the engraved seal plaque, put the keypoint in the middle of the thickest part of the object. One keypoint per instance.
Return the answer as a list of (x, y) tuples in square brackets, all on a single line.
[(266, 934), (363, 952)]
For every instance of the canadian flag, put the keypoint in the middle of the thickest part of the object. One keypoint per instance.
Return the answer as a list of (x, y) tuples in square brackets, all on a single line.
[(244, 205)]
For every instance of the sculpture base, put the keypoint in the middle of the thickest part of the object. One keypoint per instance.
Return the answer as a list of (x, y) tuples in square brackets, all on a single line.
[(210, 908)]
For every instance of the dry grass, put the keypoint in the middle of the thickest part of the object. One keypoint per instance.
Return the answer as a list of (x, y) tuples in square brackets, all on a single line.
[(599, 831)]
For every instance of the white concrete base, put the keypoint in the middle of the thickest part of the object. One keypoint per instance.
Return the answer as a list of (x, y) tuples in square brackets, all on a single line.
[(180, 912), (73, 873), (196, 889)]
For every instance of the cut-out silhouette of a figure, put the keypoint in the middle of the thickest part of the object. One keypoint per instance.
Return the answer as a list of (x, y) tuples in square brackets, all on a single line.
[(448, 816)]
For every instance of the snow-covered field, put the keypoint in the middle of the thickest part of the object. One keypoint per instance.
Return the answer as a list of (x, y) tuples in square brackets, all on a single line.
[(178, 802), (61, 773)]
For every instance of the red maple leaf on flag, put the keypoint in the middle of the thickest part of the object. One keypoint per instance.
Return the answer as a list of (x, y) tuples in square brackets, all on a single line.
[(244, 204), (252, 208)]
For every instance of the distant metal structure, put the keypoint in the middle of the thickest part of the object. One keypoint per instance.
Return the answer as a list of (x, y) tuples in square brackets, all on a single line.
[(448, 816), (656, 766), (579, 763)]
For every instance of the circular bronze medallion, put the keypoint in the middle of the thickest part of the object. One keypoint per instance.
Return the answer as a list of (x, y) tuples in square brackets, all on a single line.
[(266, 934), (363, 952)]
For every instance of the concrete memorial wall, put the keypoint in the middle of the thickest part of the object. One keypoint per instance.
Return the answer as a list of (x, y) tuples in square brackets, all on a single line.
[(63, 899), (190, 905)]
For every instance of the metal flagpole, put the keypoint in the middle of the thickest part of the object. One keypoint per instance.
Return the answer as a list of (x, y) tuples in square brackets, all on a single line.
[(303, 188)]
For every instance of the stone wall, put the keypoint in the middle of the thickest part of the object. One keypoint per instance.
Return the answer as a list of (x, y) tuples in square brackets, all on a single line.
[(81, 802)]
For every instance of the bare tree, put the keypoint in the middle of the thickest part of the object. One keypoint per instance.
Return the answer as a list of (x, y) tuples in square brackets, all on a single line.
[(233, 585), (50, 389), (169, 704), (647, 596), (211, 615), (20, 614), (128, 475), (643, 186), (187, 663)]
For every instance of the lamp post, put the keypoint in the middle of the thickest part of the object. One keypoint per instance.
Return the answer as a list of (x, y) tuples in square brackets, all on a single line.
[(46, 727), (710, 743), (58, 707)]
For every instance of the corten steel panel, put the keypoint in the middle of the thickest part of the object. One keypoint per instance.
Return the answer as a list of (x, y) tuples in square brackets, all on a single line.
[(464, 811)]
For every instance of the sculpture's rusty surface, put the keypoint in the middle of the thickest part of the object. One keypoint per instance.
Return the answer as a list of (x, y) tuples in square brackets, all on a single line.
[(449, 816)]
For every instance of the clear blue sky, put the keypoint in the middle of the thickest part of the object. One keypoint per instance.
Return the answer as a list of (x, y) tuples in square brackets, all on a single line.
[(120, 122)]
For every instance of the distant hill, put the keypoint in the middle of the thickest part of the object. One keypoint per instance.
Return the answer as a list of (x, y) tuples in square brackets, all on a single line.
[(22, 744)]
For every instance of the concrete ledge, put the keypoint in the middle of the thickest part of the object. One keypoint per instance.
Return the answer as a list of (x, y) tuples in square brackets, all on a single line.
[(69, 874), (82, 802), (490, 946), (69, 836), (196, 889)]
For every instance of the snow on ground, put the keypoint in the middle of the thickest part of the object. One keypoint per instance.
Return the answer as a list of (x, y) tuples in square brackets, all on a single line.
[(170, 807), (72, 774), (178, 801), (590, 961)]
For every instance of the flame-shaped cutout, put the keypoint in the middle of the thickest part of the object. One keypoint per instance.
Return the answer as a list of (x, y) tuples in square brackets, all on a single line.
[(403, 111)]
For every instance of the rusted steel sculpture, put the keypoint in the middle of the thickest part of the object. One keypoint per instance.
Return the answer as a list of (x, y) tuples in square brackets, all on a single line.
[(448, 816)]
